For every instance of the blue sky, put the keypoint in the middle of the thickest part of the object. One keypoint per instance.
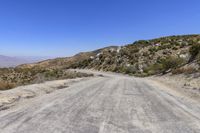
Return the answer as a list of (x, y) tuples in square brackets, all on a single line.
[(66, 27)]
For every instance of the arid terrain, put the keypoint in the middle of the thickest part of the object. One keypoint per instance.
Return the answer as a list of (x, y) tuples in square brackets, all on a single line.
[(150, 86), (105, 103), (99, 66)]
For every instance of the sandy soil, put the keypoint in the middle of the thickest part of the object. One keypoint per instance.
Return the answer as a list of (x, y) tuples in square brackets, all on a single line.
[(188, 86), (9, 98)]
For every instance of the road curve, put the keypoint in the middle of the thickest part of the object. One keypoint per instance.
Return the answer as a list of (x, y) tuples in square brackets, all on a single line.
[(110, 104)]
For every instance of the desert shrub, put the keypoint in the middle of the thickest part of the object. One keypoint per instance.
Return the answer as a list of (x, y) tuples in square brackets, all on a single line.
[(129, 70), (80, 64), (175, 48), (122, 69), (198, 58), (130, 49), (188, 70), (142, 43), (146, 54), (154, 69), (171, 63), (194, 51), (6, 85), (153, 49), (24, 76), (164, 65), (51, 73)]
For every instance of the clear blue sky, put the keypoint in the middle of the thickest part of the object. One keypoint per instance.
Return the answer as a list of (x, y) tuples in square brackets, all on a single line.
[(65, 27)]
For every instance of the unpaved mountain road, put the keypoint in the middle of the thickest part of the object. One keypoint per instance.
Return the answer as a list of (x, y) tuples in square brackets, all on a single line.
[(109, 104)]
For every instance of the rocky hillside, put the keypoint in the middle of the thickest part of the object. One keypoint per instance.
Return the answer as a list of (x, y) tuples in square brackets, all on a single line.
[(53, 69), (173, 54), (79, 60), (176, 54)]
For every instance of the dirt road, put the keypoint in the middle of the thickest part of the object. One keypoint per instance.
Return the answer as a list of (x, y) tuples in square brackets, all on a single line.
[(106, 104)]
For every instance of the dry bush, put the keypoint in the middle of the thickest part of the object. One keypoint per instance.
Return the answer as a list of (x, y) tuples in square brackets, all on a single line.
[(194, 51), (6, 85), (188, 70)]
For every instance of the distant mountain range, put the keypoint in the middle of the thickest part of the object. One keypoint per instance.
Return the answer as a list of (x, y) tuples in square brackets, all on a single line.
[(7, 61)]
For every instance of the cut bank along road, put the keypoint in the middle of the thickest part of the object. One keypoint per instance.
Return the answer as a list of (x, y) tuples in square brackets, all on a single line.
[(110, 104)]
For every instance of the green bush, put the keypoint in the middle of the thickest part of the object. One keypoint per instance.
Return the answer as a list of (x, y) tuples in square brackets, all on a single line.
[(154, 69), (194, 51), (164, 65), (198, 58), (171, 63), (153, 49), (130, 70)]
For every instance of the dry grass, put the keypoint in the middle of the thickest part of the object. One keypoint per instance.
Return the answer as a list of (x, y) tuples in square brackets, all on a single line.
[(13, 77), (188, 70), (6, 85)]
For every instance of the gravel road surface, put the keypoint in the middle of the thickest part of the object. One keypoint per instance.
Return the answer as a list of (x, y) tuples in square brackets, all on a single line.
[(105, 104)]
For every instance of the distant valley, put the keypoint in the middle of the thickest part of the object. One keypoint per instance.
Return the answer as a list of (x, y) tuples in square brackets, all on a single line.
[(8, 61)]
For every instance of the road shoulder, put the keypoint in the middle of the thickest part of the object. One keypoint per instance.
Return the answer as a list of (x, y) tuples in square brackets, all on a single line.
[(175, 85)]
